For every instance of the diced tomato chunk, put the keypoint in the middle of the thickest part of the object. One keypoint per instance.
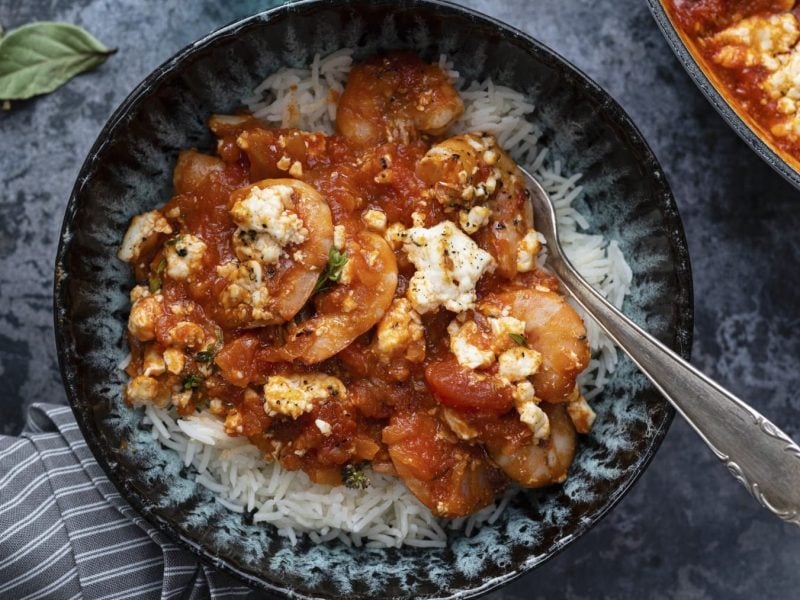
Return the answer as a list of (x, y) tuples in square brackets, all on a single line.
[(465, 389)]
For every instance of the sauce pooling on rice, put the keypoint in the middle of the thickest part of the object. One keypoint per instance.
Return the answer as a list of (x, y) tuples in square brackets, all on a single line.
[(368, 298)]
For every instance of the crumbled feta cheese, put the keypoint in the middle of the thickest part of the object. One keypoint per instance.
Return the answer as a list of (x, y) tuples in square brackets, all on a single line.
[(142, 320), (294, 395), (527, 251), (757, 40), (477, 348), (296, 170), (786, 106), (529, 412), (265, 210), (216, 406), (185, 256), (142, 228), (503, 327), (323, 426), (246, 296), (266, 224), (186, 335), (234, 422), (400, 333), (418, 218), (518, 363), (490, 157), (284, 163), (767, 41), (581, 414), (145, 390), (181, 399), (152, 363), (477, 143), (449, 264), (175, 360), (784, 86), (458, 425), (375, 220), (474, 218), (252, 245), (396, 235), (463, 344), (138, 292), (339, 237)]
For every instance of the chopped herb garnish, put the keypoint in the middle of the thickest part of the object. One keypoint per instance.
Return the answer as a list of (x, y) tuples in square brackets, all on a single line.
[(354, 476), (154, 281), (519, 339), (333, 270), (192, 382), (204, 356)]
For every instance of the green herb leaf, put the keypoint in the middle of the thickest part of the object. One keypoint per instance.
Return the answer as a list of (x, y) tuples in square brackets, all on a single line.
[(161, 265), (40, 57), (333, 270), (204, 356), (519, 339), (154, 284), (192, 382), (354, 476)]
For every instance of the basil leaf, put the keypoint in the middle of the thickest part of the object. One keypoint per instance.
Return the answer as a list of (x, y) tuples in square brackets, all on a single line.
[(40, 57)]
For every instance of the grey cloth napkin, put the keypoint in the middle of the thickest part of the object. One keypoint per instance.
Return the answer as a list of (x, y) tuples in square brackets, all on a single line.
[(65, 532)]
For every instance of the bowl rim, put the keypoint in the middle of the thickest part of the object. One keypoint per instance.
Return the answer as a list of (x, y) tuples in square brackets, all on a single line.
[(681, 337), (729, 112)]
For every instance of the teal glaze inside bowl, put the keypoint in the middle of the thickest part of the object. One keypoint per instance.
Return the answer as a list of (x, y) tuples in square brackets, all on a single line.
[(129, 171)]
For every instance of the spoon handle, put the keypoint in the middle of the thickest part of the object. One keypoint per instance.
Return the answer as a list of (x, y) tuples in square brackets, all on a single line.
[(757, 453)]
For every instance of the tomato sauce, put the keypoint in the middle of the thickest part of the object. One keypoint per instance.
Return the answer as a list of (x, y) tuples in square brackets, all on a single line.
[(393, 412)]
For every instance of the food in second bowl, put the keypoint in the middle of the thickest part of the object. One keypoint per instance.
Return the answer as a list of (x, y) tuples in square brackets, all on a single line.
[(751, 46), (370, 297)]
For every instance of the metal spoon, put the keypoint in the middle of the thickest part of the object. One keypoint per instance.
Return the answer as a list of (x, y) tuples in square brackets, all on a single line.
[(757, 453)]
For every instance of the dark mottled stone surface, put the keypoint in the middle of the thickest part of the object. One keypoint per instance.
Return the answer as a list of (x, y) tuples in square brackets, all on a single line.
[(687, 530)]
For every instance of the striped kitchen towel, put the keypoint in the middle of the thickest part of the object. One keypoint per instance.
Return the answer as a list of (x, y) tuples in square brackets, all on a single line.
[(65, 532)]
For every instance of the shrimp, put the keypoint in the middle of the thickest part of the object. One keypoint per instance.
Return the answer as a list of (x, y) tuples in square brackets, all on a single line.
[(552, 328), (395, 98), (540, 463), (192, 169), (362, 297), (282, 255), (449, 476), (473, 174), (274, 152)]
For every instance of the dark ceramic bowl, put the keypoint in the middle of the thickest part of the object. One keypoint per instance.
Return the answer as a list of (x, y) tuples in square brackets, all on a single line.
[(778, 159), (129, 171)]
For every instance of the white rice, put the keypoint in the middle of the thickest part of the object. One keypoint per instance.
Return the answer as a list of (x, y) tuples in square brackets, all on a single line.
[(386, 514)]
